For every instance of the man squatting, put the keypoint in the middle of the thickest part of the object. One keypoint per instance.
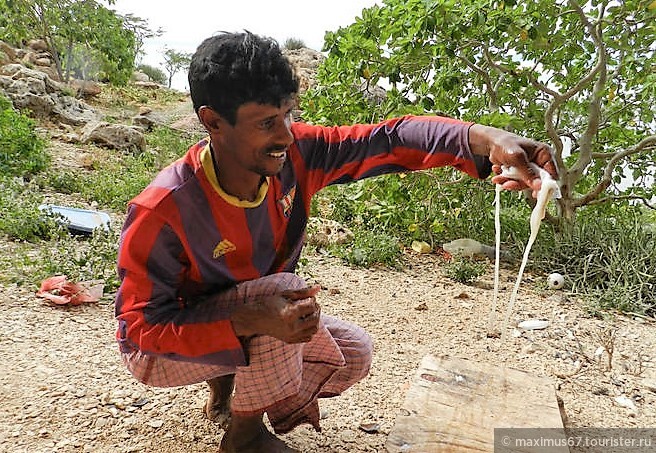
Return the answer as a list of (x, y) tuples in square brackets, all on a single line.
[(208, 250)]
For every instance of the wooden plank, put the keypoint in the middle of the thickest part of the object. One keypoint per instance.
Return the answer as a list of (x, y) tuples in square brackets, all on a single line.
[(453, 405)]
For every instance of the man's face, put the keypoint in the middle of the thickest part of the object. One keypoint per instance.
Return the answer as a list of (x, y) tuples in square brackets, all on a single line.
[(258, 141)]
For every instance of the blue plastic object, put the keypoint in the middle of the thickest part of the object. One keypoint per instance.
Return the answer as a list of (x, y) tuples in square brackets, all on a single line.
[(79, 220)]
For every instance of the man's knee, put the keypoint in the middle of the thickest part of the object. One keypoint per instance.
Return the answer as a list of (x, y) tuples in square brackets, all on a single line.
[(363, 358)]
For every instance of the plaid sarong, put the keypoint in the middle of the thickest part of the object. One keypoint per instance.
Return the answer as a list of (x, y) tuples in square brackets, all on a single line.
[(283, 380)]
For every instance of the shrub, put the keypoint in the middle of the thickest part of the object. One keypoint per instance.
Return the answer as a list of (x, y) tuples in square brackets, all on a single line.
[(369, 248), (294, 44), (155, 74), (609, 258), (464, 270), (22, 152), (21, 217)]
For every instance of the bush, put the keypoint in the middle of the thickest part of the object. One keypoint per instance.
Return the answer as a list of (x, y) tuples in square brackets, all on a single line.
[(119, 178), (369, 248), (22, 152), (294, 44), (608, 258), (21, 217), (464, 270), (155, 74)]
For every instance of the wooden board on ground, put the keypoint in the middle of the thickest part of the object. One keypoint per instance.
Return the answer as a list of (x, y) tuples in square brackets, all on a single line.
[(454, 405)]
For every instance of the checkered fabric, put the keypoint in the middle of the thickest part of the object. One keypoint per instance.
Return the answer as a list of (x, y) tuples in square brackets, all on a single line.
[(281, 379)]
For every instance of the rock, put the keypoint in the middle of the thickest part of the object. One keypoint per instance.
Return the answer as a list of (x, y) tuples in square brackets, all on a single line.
[(650, 385), (143, 122), (324, 232), (626, 402), (348, 436), (139, 76), (156, 424), (73, 111), (469, 248), (9, 51), (33, 90), (38, 45), (85, 88), (115, 136), (370, 428), (421, 247), (148, 85), (305, 61), (42, 62), (421, 307)]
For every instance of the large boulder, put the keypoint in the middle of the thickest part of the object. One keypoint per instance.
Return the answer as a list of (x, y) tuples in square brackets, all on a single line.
[(33, 90), (305, 61), (118, 136)]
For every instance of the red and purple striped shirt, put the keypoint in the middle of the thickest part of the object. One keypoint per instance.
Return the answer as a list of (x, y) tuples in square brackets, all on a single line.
[(185, 239)]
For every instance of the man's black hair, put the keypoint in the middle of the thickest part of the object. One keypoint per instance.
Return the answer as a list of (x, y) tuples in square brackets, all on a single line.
[(230, 69)]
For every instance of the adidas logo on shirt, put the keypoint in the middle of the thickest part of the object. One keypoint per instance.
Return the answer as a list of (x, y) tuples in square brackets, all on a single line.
[(223, 247)]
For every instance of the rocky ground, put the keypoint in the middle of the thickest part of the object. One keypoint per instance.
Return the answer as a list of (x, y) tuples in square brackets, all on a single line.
[(63, 387)]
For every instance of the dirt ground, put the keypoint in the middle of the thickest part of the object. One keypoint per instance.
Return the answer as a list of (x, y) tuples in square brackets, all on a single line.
[(63, 387)]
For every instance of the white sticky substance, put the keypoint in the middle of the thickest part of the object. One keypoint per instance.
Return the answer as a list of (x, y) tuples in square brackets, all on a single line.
[(497, 246), (548, 190)]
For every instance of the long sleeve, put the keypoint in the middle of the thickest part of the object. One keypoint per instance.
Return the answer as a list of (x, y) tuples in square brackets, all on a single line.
[(153, 313), (346, 153)]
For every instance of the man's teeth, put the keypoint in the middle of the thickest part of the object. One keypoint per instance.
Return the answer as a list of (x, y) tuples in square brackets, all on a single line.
[(278, 155)]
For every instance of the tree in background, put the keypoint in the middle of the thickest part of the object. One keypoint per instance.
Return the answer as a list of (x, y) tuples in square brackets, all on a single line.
[(174, 61), (580, 76), (141, 31), (83, 36)]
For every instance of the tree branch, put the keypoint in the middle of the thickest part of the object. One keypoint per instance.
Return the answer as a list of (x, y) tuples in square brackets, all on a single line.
[(623, 197), (604, 183), (594, 109), (493, 105)]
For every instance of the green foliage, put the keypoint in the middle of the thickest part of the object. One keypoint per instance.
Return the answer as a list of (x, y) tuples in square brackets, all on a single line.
[(155, 74), (432, 206), (370, 248), (609, 259), (21, 218), (22, 152), (174, 61), (79, 257), (554, 71), (117, 179), (464, 270), (293, 44), (84, 37)]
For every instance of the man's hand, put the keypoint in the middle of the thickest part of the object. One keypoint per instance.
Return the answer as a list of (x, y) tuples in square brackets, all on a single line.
[(291, 316), (511, 150)]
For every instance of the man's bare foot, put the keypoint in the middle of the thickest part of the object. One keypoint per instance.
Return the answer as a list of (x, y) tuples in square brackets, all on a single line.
[(217, 407), (249, 435)]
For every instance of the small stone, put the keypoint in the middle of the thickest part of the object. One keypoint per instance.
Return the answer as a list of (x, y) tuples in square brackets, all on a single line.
[(626, 402), (348, 436), (370, 428), (529, 348), (156, 424)]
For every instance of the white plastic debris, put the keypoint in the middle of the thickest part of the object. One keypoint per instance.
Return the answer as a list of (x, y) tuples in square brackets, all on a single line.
[(533, 324), (555, 281)]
